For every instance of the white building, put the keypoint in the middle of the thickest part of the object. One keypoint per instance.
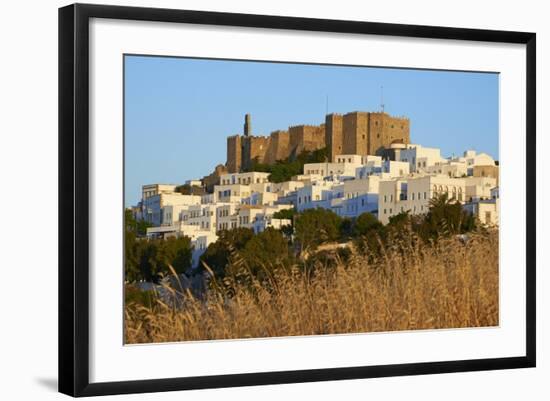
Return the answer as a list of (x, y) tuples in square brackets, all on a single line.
[(154, 189), (287, 187), (413, 194), (152, 206), (479, 188), (419, 157), (227, 216), (171, 214), (247, 215), (472, 158), (357, 196), (318, 194), (253, 177), (194, 183), (486, 211), (230, 193), (450, 168), (339, 170), (260, 198), (262, 222), (200, 244), (385, 169), (203, 216)]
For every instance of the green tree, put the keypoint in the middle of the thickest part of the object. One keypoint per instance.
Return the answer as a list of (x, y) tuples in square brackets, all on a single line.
[(138, 227), (218, 254), (283, 170), (268, 249), (445, 217), (315, 226), (364, 223), (131, 257), (371, 236), (178, 253), (187, 189), (285, 214)]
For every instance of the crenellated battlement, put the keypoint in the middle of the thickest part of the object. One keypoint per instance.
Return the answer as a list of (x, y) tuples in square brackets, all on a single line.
[(357, 132)]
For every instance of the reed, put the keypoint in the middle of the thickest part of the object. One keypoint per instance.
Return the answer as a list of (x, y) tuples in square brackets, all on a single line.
[(452, 283)]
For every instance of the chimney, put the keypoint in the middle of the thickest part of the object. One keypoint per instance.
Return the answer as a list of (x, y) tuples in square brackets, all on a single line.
[(247, 125)]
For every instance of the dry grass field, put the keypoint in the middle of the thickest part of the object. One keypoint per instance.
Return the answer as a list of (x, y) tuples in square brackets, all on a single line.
[(450, 284)]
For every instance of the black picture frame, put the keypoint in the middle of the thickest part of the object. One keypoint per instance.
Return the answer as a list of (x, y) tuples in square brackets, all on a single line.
[(74, 198)]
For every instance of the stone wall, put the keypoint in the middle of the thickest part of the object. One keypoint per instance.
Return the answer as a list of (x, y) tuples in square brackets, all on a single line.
[(254, 148), (385, 130), (278, 148), (358, 132), (306, 137), (486, 171), (355, 133), (214, 178), (234, 156), (333, 135)]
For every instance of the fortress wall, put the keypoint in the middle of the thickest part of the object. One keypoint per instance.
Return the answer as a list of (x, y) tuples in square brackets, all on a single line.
[(234, 155), (353, 133), (258, 147), (306, 137), (278, 147), (385, 129), (333, 135)]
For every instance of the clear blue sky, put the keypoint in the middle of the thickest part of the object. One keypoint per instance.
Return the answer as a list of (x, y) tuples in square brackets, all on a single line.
[(178, 111)]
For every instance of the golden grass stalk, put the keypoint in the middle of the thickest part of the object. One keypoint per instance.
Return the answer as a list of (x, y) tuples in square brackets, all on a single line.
[(413, 286)]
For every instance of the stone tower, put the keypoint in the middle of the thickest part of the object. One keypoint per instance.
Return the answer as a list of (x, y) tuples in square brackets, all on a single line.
[(234, 153), (333, 135), (247, 125)]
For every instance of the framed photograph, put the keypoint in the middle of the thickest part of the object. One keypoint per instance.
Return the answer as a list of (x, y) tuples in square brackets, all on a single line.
[(251, 199)]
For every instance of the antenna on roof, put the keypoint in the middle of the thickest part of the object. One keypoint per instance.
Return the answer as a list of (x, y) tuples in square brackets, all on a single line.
[(382, 97)]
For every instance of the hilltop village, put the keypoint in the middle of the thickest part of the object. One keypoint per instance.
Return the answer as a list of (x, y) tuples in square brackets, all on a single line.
[(369, 165)]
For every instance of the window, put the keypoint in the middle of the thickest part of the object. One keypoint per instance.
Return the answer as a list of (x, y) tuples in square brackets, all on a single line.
[(412, 196), (425, 195), (487, 217), (385, 200)]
